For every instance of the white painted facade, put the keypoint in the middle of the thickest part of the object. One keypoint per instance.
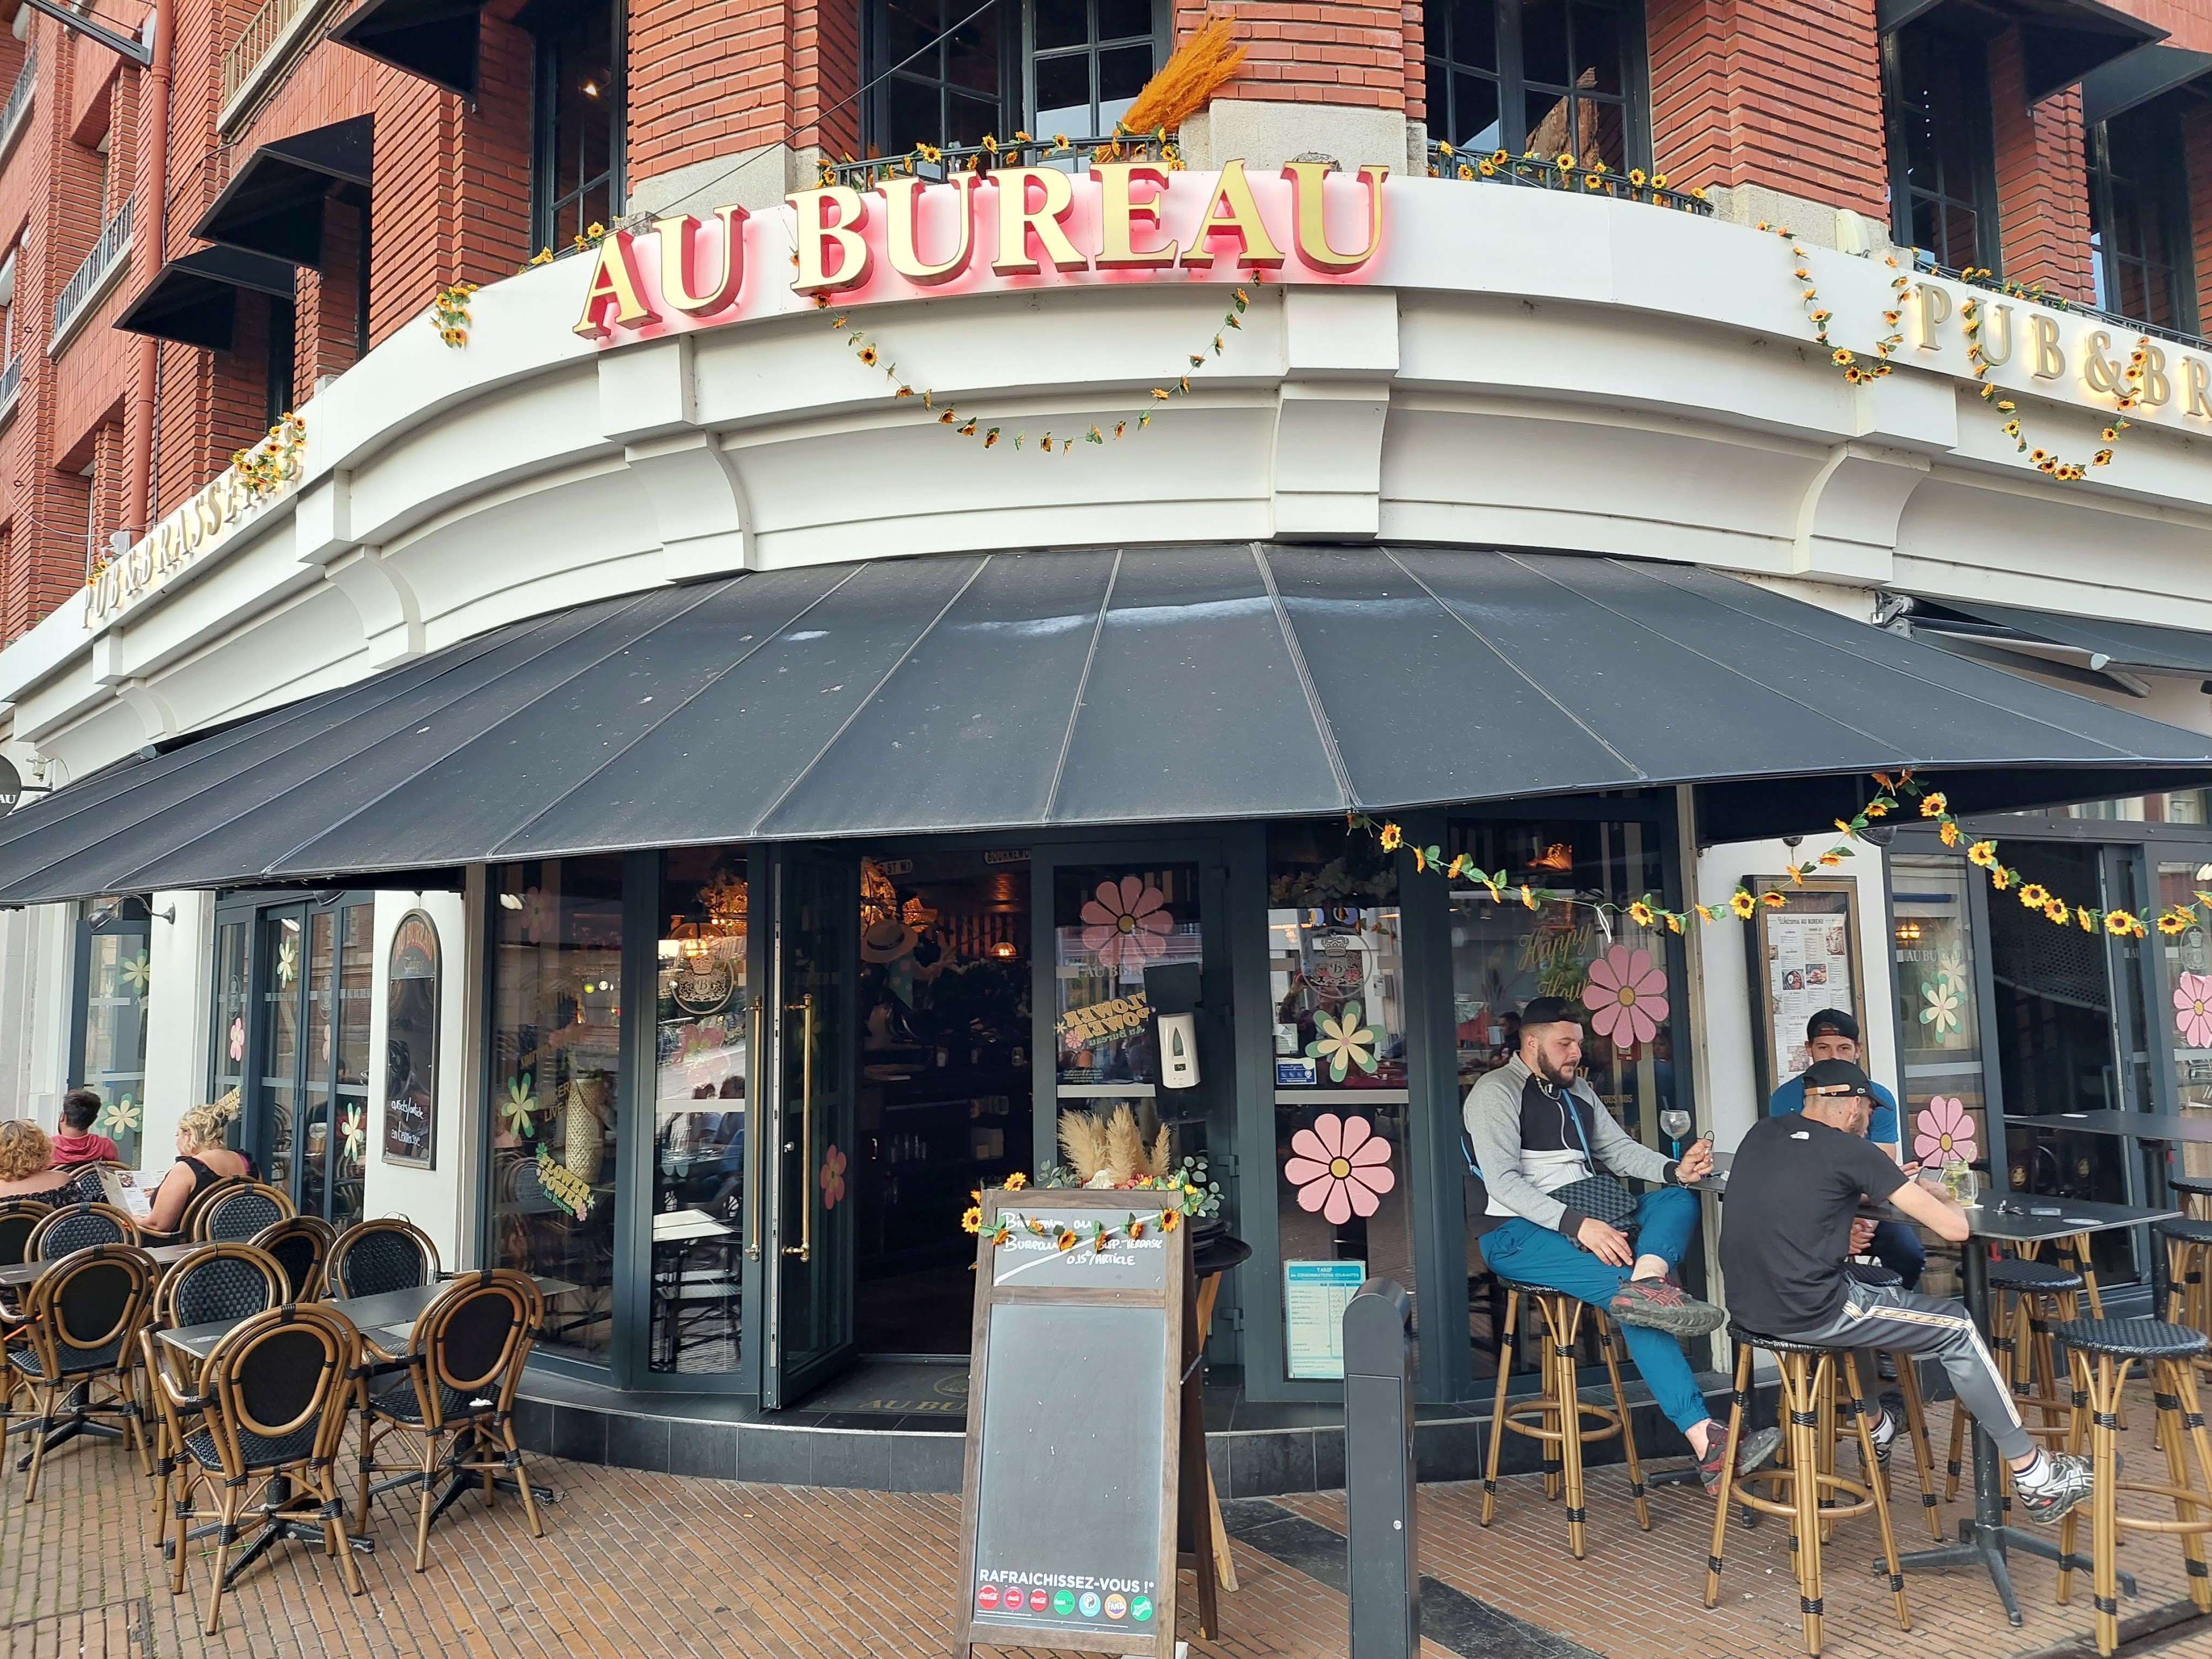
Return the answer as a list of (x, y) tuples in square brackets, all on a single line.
[(1516, 367)]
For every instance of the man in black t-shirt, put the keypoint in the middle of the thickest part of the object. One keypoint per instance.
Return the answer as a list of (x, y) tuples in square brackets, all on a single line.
[(1786, 1225)]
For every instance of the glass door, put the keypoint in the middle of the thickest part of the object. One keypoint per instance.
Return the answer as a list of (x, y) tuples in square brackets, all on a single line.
[(114, 977), (810, 1117), (308, 1107)]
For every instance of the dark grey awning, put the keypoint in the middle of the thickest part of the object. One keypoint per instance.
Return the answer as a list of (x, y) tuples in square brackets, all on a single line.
[(273, 204), (433, 38), (2061, 41), (2148, 72), (2105, 644), (1019, 690), (194, 298)]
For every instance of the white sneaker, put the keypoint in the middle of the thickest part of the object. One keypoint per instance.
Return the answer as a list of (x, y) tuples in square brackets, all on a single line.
[(2068, 1480)]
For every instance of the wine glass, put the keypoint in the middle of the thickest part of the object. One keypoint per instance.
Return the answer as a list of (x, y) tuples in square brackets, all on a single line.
[(1676, 1123)]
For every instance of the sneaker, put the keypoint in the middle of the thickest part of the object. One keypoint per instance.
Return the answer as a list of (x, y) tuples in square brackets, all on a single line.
[(1659, 1306), (1756, 1452), (1883, 1432), (2066, 1485), (1884, 1368)]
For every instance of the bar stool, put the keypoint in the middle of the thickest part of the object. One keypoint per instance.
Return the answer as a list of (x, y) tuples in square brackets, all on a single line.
[(1548, 1409), (2102, 1351), (2197, 1193), (1810, 1497), (2026, 1296), (1915, 1414), (2188, 1250)]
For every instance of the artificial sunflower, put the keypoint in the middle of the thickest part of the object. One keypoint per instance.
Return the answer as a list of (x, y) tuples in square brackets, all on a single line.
[(1984, 853), (1170, 1219), (971, 1220), (1950, 833), (1393, 837), (1567, 158), (1016, 1181), (2000, 878), (2087, 918), (1933, 804), (2121, 923), (2034, 895), (1065, 1239), (2171, 921), (2055, 911), (1742, 903), (1640, 914), (1839, 357)]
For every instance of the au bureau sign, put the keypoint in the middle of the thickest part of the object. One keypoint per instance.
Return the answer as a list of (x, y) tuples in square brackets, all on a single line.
[(1010, 229)]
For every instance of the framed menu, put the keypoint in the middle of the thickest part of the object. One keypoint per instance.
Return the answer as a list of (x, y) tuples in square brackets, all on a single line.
[(1804, 958), (410, 1044)]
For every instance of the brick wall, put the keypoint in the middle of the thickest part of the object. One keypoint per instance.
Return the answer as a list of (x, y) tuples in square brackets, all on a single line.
[(1327, 51), (2043, 184), (719, 79), (1786, 95)]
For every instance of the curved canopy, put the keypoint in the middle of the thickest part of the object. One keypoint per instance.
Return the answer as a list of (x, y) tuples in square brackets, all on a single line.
[(1009, 691)]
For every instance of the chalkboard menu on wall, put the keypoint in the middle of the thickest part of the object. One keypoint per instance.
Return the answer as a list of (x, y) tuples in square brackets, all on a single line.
[(410, 1044), (1086, 1438)]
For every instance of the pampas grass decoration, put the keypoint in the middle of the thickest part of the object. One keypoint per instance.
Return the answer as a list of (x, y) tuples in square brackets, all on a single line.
[(1125, 1147), (1084, 1139), (1194, 71), (1156, 1159)]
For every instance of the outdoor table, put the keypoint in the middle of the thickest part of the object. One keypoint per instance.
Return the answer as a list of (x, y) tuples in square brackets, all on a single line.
[(22, 1273), (2006, 1219), (2163, 1127)]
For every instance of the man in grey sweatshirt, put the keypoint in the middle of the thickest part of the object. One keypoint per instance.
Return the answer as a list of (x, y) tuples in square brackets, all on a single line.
[(1535, 1127)]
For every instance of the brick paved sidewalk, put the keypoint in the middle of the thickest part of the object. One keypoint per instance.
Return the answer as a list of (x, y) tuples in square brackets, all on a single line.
[(652, 1564)]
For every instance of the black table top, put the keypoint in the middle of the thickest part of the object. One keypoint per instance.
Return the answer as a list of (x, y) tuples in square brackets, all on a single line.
[(388, 1316), (2136, 1126), (2011, 1217), (165, 1256)]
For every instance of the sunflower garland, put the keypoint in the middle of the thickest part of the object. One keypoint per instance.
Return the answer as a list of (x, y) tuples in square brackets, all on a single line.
[(449, 313), (1562, 171), (1856, 370), (870, 351), (2126, 386)]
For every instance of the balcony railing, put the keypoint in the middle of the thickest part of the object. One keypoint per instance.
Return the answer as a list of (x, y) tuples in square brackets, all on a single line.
[(2034, 293), (264, 33), (18, 100), (11, 381), (937, 162), (1563, 173), (107, 256)]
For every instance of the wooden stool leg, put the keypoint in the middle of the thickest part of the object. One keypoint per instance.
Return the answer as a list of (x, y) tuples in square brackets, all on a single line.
[(1571, 1424), (2199, 1587), (1955, 1458), (1627, 1425), (1874, 1491), (1924, 1455), (1728, 1475), (1497, 1411), (2078, 1441), (1805, 1486), (2105, 1399), (2166, 1394), (1547, 1454)]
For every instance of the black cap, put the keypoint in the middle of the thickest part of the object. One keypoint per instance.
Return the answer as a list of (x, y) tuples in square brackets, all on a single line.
[(1836, 1077), (1832, 1022), (1550, 1011)]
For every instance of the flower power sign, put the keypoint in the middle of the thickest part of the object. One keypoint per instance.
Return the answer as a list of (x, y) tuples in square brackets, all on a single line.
[(1011, 228)]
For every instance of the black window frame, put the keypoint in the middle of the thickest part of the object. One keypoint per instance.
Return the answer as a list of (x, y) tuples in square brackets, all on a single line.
[(1969, 59), (552, 27), (2154, 131), (1445, 58)]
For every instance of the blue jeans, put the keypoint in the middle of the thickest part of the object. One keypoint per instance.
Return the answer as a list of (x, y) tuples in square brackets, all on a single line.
[(1899, 1248), (1663, 1222)]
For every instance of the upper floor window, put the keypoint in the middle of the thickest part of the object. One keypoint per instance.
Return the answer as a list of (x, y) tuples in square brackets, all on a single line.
[(2140, 236), (577, 167), (949, 76), (1943, 159), (1551, 76)]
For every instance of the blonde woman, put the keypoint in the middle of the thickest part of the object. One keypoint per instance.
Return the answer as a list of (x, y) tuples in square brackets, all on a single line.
[(26, 1161), (203, 1159)]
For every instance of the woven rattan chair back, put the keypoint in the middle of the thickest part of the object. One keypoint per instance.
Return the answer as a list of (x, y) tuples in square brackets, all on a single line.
[(18, 1217), (471, 1343), (377, 1256), (219, 1281), (81, 1314), (78, 1227), (238, 1212), (299, 1245)]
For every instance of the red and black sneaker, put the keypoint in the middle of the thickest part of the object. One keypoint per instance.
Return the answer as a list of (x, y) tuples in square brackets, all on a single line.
[(1663, 1307), (1756, 1452)]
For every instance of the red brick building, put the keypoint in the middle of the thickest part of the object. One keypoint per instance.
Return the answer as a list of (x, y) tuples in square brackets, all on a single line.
[(326, 166)]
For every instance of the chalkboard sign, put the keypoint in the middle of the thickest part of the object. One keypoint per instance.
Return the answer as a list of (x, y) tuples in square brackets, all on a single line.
[(1086, 1479), (410, 1044)]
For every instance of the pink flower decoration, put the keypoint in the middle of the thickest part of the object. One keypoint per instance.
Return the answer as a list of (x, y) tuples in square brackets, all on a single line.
[(1341, 1168), (238, 1036), (2192, 1010), (1623, 995), (832, 1178), (1126, 925), (1945, 1133)]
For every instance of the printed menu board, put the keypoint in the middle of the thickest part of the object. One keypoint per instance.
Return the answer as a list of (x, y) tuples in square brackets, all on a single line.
[(1082, 1426), (1314, 1295), (1804, 958)]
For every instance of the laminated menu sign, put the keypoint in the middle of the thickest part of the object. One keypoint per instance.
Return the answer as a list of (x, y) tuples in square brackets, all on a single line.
[(1313, 1298), (1086, 1435), (1805, 958)]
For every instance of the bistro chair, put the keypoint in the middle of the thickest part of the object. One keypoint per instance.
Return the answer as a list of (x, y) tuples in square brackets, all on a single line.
[(2101, 1352), (300, 1245), (78, 1227), (223, 1281), (2026, 1298), (19, 1217), (188, 1224), (1835, 1424), (1555, 1415), (464, 1361), (238, 1212), (261, 1438), (372, 1257), (81, 1320), (1808, 1496)]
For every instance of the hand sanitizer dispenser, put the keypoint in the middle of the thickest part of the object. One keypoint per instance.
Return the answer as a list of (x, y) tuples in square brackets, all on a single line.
[(1178, 1051)]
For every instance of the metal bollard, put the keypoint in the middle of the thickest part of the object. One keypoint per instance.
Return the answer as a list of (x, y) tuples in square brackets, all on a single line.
[(1385, 1575)]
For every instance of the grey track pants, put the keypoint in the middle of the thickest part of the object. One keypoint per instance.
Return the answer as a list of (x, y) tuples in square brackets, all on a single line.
[(1887, 1319)]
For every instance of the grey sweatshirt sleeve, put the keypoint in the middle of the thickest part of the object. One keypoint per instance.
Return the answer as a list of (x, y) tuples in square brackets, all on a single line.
[(1493, 1116), (1618, 1150)]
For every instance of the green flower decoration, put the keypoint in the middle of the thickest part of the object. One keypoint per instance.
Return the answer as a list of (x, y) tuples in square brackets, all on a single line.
[(121, 1116), (288, 962), (137, 974), (1344, 1042), (520, 1110), (1942, 1009), (351, 1127)]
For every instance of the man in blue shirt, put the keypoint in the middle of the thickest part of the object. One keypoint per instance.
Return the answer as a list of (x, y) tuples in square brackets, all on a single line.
[(1833, 1034)]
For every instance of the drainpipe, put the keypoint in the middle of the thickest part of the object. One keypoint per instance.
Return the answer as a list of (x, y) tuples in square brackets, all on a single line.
[(153, 180)]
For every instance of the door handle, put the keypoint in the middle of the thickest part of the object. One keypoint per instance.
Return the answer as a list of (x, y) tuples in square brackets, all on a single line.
[(758, 1173), (805, 1248)]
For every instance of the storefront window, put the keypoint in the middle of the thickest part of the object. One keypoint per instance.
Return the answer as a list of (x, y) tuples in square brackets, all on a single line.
[(111, 1049), (1544, 76), (226, 1042), (1109, 926), (703, 1023), (1336, 981), (2182, 806), (306, 1098), (2189, 981), (556, 1054), (1944, 1087)]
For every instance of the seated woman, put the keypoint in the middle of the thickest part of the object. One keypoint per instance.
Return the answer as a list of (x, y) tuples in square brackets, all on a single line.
[(27, 1162), (203, 1159)]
